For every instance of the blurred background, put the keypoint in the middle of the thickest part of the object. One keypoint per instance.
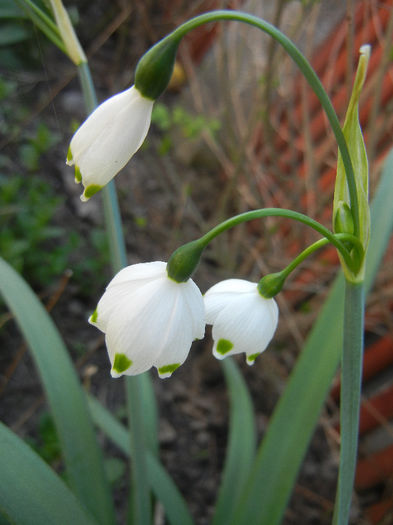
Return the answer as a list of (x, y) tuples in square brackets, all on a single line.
[(237, 129)]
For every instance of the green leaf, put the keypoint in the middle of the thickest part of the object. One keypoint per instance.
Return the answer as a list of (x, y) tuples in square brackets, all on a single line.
[(161, 483), (241, 444), (8, 9), (30, 492), (12, 34), (82, 455), (354, 137), (295, 417), (42, 21)]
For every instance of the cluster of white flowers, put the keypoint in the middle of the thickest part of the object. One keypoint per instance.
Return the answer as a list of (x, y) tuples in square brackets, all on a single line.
[(148, 318), (151, 320)]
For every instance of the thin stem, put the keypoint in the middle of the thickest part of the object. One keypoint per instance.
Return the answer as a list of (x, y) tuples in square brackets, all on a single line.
[(139, 512), (139, 492), (308, 73), (113, 223), (279, 212), (351, 374), (346, 237), (302, 256)]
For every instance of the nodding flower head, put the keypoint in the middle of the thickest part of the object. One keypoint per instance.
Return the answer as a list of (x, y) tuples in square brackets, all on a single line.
[(109, 137), (243, 320), (149, 319)]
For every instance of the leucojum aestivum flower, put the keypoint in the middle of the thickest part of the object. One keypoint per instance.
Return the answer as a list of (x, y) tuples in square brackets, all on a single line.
[(151, 312)]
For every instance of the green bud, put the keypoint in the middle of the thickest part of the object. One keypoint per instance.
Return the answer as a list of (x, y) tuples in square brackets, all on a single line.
[(183, 262), (270, 285), (343, 219), (154, 69)]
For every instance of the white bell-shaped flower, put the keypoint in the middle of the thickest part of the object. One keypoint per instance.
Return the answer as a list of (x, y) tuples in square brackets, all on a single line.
[(109, 137), (243, 320), (149, 319)]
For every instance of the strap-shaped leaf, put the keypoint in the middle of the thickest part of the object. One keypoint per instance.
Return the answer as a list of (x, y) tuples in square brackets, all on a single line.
[(161, 483), (82, 455), (295, 417), (241, 444), (30, 492)]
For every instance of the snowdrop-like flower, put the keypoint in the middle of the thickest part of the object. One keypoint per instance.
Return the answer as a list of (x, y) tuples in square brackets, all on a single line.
[(149, 319), (109, 137), (243, 320)]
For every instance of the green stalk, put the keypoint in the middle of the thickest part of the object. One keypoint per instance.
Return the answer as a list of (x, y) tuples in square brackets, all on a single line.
[(281, 212), (139, 492), (316, 246), (308, 73), (351, 375)]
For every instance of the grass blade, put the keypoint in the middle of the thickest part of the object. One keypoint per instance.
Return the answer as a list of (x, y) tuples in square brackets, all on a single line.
[(30, 492), (294, 419), (162, 485), (82, 455), (241, 444)]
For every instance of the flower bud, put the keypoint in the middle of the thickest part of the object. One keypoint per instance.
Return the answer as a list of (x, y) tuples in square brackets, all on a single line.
[(343, 219)]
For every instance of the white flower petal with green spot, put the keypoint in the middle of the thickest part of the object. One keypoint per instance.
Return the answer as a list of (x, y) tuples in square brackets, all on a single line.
[(109, 137), (149, 319), (243, 320)]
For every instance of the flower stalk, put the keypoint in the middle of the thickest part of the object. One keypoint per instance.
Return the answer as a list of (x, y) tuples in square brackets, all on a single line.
[(306, 69), (139, 498)]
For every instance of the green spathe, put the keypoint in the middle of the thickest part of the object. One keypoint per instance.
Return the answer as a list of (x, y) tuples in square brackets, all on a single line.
[(342, 202), (154, 70)]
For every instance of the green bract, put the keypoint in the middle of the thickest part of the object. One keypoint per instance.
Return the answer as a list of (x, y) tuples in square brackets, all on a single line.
[(342, 211)]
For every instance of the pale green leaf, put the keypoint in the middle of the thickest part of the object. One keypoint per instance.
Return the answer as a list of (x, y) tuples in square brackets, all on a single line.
[(241, 444), (30, 492), (161, 483), (82, 455)]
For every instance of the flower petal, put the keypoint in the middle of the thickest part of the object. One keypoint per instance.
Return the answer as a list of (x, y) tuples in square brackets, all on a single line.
[(245, 323), (110, 136), (122, 286), (218, 296)]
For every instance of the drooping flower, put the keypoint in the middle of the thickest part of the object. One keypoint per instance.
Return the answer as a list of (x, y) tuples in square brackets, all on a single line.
[(109, 137), (243, 320), (149, 319)]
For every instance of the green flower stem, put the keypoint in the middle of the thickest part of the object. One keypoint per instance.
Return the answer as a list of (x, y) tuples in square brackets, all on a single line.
[(351, 374), (278, 212), (314, 247), (140, 493), (111, 206), (308, 73)]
